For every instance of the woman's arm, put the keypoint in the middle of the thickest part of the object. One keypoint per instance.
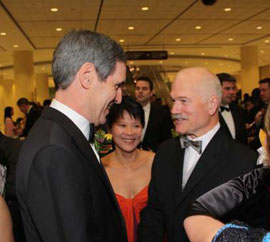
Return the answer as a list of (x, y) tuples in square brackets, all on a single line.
[(201, 228), (6, 233)]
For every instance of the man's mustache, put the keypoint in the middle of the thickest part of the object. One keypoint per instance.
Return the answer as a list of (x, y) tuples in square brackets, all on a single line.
[(178, 116)]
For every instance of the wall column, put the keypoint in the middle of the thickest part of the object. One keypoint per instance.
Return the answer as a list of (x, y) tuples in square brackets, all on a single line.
[(249, 68), (23, 74), (42, 87)]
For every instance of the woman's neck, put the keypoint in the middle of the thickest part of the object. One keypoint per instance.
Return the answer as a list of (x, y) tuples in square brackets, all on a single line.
[(125, 159)]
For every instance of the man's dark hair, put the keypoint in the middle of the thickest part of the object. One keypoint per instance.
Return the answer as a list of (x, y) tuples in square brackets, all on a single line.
[(225, 77), (146, 79), (265, 80), (22, 101), (129, 105), (79, 47), (47, 102)]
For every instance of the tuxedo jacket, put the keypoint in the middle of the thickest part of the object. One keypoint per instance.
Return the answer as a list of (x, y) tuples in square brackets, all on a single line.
[(31, 118), (238, 115), (158, 128), (222, 159), (63, 191)]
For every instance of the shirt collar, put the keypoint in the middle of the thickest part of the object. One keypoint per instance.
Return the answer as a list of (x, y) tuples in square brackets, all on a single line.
[(147, 107), (81, 122)]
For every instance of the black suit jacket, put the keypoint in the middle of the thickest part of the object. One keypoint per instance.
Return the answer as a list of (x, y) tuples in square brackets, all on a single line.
[(31, 118), (158, 128), (63, 191), (222, 160), (238, 115)]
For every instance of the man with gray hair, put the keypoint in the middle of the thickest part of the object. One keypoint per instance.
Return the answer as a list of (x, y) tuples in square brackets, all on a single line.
[(62, 188), (188, 166)]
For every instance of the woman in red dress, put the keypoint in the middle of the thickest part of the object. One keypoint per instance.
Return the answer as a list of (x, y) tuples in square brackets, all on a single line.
[(128, 168)]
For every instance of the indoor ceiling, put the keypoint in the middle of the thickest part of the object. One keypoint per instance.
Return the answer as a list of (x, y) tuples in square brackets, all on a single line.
[(166, 25)]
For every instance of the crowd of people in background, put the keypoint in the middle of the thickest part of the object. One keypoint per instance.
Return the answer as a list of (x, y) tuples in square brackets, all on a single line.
[(162, 162)]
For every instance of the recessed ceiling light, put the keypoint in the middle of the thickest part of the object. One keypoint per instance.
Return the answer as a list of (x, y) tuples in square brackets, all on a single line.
[(121, 40), (130, 27), (202, 53), (178, 39), (172, 53), (144, 8), (58, 29), (259, 27), (262, 51), (227, 9), (198, 27), (15, 46), (160, 62), (267, 41), (137, 69), (131, 63), (3, 33), (54, 9), (230, 39)]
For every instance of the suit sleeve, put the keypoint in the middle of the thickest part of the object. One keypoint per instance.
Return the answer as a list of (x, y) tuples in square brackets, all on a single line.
[(58, 197), (151, 227), (221, 200)]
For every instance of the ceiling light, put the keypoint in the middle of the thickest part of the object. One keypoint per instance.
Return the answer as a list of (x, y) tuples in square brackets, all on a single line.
[(130, 27), (230, 39), (267, 41), (178, 39), (202, 53), (3, 33), (15, 46), (227, 9), (259, 27), (160, 62), (131, 63), (198, 27), (262, 51), (144, 8), (172, 53), (137, 69), (58, 29), (54, 9), (121, 40)]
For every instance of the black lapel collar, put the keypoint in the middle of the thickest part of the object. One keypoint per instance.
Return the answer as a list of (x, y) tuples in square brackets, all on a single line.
[(79, 140), (206, 162)]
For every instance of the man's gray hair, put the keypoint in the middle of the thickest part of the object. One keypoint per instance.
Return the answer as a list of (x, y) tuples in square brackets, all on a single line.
[(80, 46)]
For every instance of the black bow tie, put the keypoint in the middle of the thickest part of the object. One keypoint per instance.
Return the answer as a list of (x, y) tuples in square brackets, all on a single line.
[(222, 108), (91, 133), (196, 145)]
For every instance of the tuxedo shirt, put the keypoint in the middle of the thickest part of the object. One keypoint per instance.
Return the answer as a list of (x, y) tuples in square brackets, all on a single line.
[(146, 110), (228, 118), (192, 156)]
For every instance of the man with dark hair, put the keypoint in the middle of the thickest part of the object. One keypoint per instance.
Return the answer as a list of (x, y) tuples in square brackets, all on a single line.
[(231, 116), (190, 165), (62, 187), (264, 86), (31, 111), (158, 122)]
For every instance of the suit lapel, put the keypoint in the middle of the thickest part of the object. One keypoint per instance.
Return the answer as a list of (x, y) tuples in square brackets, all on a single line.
[(223, 125), (79, 140), (206, 162)]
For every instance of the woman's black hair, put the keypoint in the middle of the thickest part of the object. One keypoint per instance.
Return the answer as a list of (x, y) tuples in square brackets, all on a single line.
[(129, 105), (8, 111)]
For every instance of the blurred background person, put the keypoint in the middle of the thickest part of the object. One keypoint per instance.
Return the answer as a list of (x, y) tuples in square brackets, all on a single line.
[(128, 168), (9, 123)]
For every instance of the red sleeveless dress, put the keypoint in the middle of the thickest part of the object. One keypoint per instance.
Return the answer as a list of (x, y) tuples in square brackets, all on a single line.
[(131, 209)]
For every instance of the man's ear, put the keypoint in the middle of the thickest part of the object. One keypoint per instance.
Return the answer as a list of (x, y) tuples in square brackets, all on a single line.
[(86, 74), (213, 105)]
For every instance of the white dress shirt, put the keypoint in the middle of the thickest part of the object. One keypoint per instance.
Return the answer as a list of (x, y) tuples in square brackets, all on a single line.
[(81, 122), (146, 110), (192, 156), (228, 118)]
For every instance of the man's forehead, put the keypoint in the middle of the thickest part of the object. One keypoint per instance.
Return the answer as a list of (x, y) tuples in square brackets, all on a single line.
[(142, 83)]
